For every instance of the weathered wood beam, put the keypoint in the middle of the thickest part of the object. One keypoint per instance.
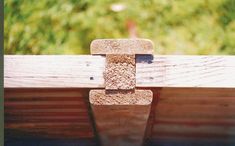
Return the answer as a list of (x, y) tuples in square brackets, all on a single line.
[(45, 71), (185, 71), (86, 71)]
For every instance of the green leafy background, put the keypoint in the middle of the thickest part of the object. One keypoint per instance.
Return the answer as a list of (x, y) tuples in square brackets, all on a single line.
[(69, 26)]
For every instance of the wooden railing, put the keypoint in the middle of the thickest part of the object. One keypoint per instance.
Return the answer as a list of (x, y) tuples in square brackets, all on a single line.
[(86, 71), (194, 96)]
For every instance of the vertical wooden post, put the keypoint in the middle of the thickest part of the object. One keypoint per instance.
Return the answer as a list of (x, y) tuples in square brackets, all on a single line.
[(120, 111)]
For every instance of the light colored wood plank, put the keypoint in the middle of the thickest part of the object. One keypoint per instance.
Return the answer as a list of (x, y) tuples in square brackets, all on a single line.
[(86, 71), (53, 71), (185, 71)]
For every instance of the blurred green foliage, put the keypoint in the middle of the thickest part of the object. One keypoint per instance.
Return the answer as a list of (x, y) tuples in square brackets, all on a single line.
[(68, 27)]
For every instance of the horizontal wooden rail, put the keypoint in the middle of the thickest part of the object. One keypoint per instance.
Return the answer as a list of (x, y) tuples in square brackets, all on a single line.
[(86, 71)]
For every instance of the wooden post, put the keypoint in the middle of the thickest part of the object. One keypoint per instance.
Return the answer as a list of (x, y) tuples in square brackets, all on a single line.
[(121, 117), (120, 111)]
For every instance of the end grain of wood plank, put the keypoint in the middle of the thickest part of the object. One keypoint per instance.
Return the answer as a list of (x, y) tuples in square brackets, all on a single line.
[(121, 46), (120, 72)]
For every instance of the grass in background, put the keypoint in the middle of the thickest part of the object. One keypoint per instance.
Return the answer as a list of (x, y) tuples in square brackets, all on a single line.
[(68, 27)]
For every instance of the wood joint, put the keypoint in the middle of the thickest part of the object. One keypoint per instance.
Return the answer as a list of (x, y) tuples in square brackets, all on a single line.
[(121, 112), (120, 72)]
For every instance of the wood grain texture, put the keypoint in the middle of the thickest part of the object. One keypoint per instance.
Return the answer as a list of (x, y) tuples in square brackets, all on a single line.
[(121, 117), (49, 113), (84, 71), (53, 71), (121, 125), (181, 116), (194, 114), (185, 71)]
